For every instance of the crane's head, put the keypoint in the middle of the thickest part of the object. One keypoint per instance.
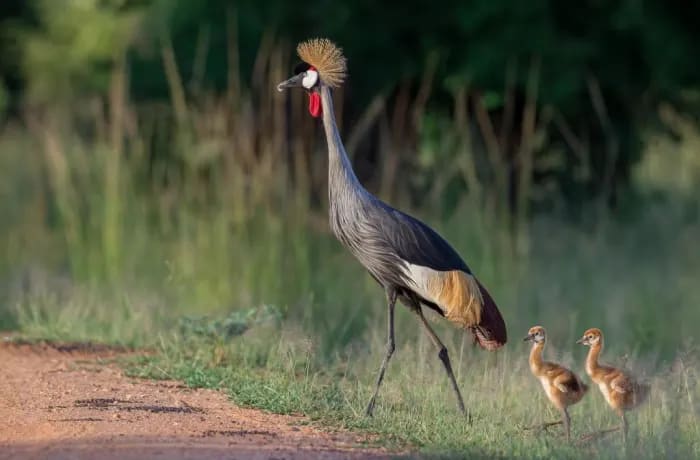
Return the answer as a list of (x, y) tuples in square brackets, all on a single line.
[(535, 334), (591, 337), (323, 64)]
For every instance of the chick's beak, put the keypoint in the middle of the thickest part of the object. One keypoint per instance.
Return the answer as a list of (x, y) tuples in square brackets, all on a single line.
[(582, 341), (293, 82), (529, 338)]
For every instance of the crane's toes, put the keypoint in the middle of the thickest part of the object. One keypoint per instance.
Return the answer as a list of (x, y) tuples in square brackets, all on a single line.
[(596, 435), (462, 410), (542, 426), (370, 408)]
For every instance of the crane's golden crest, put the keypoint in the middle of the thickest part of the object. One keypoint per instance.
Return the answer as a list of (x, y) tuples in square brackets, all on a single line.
[(326, 57)]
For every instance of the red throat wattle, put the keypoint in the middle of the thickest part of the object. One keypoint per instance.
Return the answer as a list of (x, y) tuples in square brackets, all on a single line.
[(315, 104)]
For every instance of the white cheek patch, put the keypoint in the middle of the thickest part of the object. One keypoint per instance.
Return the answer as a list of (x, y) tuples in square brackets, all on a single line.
[(310, 79)]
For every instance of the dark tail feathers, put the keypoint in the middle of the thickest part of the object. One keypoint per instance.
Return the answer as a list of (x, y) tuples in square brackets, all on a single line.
[(490, 333)]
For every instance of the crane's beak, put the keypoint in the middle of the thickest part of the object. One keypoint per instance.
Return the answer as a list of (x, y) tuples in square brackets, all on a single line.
[(581, 341), (529, 338), (293, 82)]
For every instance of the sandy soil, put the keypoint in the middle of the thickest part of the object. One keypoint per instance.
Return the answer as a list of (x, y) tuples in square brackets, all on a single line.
[(67, 401)]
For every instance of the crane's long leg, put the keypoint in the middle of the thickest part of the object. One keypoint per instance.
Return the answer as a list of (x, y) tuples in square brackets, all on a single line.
[(567, 423), (444, 357), (390, 346), (624, 428)]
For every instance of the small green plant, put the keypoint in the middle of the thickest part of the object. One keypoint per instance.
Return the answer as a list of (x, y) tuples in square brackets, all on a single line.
[(232, 325)]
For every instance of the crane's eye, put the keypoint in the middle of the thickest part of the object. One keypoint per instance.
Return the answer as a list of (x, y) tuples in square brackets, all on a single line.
[(310, 79)]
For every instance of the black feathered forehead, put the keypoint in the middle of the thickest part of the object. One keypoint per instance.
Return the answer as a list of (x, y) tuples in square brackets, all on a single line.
[(301, 67)]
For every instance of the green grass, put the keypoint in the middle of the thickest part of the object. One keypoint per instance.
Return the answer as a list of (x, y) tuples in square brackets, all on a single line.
[(416, 407), (318, 353)]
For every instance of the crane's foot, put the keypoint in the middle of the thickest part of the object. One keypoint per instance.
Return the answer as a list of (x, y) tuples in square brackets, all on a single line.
[(369, 412), (460, 405), (543, 426), (597, 435), (466, 413)]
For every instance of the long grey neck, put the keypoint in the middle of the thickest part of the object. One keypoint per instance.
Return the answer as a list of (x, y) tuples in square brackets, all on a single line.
[(341, 177)]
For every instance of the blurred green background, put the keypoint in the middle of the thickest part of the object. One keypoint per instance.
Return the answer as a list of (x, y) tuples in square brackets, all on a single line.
[(145, 150), (157, 191), (151, 171)]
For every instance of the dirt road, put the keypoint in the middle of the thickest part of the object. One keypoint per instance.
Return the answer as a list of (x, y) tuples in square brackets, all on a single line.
[(63, 402)]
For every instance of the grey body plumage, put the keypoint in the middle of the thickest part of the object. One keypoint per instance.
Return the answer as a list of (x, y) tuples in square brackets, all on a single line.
[(380, 237), (411, 261)]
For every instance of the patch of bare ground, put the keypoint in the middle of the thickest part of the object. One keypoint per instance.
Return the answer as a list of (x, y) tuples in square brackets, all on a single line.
[(68, 401)]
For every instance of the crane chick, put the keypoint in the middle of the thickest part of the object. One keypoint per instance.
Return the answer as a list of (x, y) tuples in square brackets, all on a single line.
[(620, 390), (561, 385)]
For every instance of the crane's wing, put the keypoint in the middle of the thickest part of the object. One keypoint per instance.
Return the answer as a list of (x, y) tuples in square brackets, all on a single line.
[(621, 384), (567, 381), (438, 274)]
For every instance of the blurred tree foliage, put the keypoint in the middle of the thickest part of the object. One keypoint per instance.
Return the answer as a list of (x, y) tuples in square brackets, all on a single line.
[(67, 48), (601, 66)]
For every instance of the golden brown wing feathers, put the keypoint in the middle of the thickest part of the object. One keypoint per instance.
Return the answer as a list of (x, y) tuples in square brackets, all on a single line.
[(465, 302), (569, 382), (459, 296)]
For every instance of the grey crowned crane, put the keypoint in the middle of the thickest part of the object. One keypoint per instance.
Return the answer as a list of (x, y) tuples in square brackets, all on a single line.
[(406, 257)]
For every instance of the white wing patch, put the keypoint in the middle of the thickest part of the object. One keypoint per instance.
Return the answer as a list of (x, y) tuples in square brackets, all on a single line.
[(455, 292), (420, 278)]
